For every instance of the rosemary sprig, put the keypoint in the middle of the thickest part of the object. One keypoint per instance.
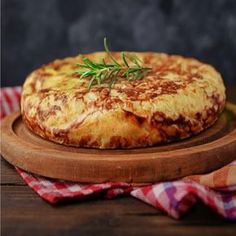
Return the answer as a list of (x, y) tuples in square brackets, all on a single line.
[(103, 72)]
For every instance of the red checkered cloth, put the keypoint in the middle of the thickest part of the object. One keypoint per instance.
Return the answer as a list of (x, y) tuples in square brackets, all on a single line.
[(216, 190)]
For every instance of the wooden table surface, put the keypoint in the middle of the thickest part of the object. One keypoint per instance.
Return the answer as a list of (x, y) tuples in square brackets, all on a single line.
[(24, 213)]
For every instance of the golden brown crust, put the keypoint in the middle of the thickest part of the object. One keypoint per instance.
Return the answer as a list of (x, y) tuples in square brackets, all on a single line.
[(178, 99)]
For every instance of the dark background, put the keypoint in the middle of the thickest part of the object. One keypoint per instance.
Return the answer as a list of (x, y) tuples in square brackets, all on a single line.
[(37, 31)]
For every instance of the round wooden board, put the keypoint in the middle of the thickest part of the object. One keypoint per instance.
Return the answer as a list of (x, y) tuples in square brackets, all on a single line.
[(205, 152)]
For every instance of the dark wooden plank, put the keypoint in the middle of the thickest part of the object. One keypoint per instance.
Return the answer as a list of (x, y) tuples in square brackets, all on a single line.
[(23, 213), (24, 210), (9, 175)]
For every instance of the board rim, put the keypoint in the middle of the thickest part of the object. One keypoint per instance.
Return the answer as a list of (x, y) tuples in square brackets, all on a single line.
[(228, 140)]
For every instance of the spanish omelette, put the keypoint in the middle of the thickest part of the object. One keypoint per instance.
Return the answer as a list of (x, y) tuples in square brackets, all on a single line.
[(178, 98)]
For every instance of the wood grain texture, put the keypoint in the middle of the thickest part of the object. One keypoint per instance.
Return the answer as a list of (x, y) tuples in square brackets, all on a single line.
[(205, 152), (24, 213)]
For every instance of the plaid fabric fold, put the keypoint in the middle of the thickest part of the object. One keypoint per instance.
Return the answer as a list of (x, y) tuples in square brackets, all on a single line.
[(217, 190), (177, 197), (54, 191)]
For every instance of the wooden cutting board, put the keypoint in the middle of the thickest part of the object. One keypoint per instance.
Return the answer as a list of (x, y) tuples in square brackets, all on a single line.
[(205, 152)]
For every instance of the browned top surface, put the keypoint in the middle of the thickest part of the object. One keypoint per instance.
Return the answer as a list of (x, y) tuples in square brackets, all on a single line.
[(156, 83)]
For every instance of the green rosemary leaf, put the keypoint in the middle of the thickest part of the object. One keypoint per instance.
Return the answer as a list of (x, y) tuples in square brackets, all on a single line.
[(91, 82), (103, 72), (109, 53), (103, 62), (82, 66), (135, 60), (124, 59), (113, 80), (88, 62), (86, 74)]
